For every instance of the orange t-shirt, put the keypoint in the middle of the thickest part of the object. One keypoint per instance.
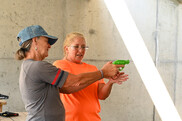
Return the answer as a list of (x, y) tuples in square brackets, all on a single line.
[(82, 105)]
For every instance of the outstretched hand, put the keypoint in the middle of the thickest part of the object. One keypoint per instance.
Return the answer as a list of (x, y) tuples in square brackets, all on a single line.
[(119, 78)]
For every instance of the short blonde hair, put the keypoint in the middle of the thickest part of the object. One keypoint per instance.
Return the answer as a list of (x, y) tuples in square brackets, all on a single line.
[(69, 39)]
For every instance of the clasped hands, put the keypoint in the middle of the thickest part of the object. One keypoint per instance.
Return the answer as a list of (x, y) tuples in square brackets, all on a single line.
[(111, 72), (119, 78)]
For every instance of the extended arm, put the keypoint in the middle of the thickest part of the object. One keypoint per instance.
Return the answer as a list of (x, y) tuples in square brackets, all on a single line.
[(77, 82)]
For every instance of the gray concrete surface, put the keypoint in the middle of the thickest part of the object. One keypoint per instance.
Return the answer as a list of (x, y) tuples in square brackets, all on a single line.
[(159, 22)]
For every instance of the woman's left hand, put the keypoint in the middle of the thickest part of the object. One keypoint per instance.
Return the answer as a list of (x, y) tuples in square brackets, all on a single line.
[(119, 78)]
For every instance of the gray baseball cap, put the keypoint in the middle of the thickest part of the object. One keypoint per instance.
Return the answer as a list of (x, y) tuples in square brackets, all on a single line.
[(34, 31)]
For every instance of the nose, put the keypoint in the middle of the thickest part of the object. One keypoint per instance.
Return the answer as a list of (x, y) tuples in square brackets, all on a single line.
[(49, 46), (81, 49)]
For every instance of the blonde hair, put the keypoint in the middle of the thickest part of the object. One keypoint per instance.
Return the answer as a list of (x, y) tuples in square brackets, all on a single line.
[(69, 39)]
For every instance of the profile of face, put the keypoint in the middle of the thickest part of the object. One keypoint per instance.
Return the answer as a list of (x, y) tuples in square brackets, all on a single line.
[(43, 47), (76, 51)]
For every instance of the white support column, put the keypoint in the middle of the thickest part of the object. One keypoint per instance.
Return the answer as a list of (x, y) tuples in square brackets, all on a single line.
[(142, 60)]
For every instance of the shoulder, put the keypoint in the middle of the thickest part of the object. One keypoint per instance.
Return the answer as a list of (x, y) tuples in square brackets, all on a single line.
[(88, 64), (39, 66), (60, 62), (34, 67), (33, 63), (93, 67), (42, 64)]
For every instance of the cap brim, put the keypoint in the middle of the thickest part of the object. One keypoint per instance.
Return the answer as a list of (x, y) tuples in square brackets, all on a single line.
[(51, 40)]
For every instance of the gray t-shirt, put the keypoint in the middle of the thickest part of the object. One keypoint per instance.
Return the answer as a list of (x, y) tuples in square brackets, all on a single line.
[(39, 86)]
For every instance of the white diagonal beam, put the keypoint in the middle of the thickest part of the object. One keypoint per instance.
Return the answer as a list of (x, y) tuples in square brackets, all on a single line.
[(142, 60)]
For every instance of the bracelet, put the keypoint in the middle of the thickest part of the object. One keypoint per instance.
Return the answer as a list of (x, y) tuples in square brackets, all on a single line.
[(102, 74)]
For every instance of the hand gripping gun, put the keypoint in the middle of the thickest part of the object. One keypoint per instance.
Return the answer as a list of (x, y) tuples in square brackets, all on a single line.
[(121, 62)]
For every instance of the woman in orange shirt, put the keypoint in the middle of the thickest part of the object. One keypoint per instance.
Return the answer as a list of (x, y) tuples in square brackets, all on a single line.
[(83, 105)]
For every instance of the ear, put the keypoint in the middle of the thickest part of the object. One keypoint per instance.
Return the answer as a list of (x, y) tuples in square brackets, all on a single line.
[(34, 40), (66, 49)]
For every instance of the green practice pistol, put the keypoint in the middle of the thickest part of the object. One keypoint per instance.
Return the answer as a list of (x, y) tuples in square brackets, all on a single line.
[(121, 62)]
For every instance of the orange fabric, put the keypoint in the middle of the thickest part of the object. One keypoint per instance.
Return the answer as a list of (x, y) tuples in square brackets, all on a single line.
[(84, 104)]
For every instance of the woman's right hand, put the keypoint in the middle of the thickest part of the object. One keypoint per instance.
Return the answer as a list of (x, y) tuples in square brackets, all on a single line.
[(110, 70)]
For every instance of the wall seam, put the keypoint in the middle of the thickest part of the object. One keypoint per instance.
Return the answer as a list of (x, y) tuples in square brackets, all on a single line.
[(64, 8), (176, 54), (156, 46)]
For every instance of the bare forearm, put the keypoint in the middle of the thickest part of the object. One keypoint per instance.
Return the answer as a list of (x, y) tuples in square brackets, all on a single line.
[(68, 90), (77, 82), (104, 90)]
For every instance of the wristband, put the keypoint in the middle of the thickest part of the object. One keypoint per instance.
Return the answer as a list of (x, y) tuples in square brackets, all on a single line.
[(102, 74)]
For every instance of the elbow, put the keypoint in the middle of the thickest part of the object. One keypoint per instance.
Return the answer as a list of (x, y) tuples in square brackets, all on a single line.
[(74, 81), (66, 90), (72, 85), (102, 98), (70, 91)]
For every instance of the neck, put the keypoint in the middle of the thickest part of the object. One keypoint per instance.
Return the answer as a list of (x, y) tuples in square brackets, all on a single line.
[(33, 56), (65, 58)]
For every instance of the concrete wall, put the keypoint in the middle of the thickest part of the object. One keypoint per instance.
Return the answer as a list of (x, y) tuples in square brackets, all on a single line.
[(159, 22)]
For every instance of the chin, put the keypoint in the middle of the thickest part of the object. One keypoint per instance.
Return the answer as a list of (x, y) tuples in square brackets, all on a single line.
[(78, 62)]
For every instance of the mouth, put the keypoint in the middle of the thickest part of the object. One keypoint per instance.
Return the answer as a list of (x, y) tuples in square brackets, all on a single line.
[(79, 55)]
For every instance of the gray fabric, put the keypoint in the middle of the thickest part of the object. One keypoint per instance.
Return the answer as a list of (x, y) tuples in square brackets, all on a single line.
[(40, 96)]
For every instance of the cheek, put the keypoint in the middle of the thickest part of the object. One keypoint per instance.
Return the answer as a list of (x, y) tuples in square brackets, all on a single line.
[(68, 51), (71, 53), (83, 53)]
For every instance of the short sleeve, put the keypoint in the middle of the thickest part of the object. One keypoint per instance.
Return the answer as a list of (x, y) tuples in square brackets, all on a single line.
[(44, 71)]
